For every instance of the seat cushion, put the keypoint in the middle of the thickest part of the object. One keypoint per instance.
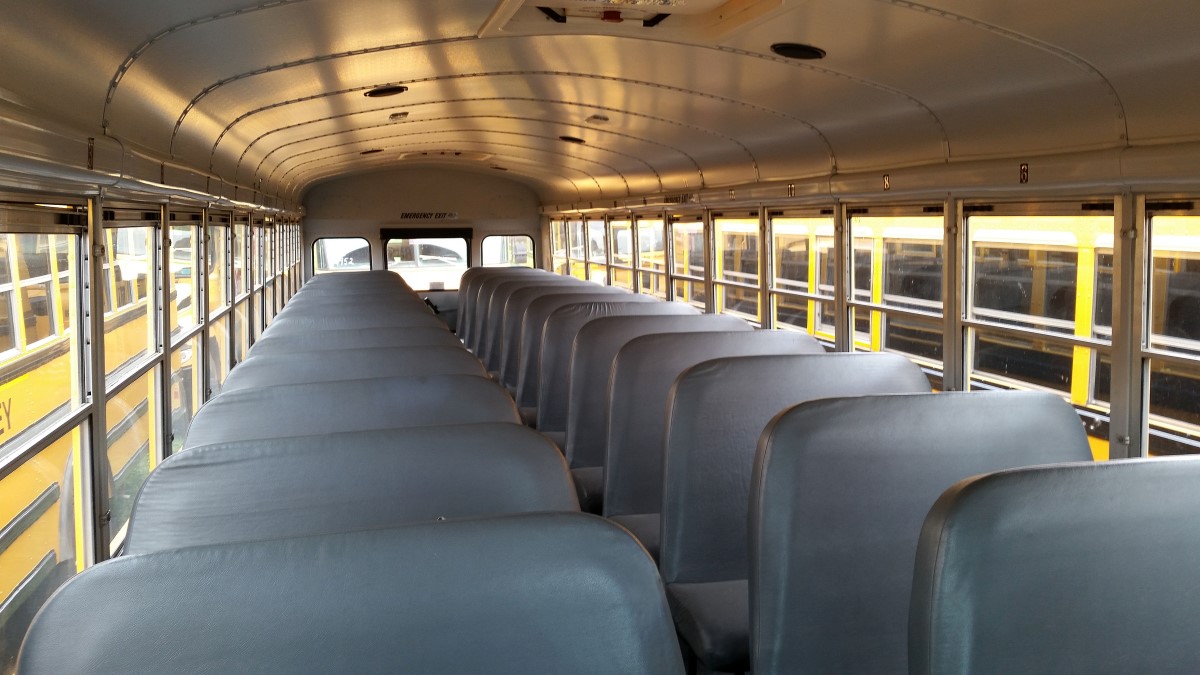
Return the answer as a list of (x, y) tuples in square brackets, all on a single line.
[(714, 619), (644, 526), (589, 488)]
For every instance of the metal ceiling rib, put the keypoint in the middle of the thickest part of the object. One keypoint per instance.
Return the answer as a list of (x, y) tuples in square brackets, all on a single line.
[(476, 118), (510, 165), (561, 122), (562, 75), (166, 32), (528, 151)]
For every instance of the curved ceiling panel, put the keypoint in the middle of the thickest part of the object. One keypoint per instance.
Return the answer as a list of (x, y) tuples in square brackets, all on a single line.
[(270, 93)]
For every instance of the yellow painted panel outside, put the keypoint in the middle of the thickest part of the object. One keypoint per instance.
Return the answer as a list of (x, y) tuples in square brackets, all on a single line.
[(18, 491)]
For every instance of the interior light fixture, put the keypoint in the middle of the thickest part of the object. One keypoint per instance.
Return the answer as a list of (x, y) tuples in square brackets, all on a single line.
[(795, 50), (397, 116), (372, 151), (597, 119), (572, 139), (389, 90)]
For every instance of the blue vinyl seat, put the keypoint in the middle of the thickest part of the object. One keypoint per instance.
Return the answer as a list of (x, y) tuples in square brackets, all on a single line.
[(840, 489), (532, 593)]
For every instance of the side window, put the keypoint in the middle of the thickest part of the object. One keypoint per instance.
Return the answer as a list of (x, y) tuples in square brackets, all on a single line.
[(36, 287), (508, 250), (342, 254), (8, 332)]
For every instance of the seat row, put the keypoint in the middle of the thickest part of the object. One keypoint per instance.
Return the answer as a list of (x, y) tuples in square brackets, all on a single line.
[(360, 497), (677, 425)]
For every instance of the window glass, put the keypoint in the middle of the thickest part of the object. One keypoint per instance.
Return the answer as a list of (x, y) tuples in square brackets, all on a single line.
[(597, 242), (185, 283), (256, 250), (256, 314), (1032, 278), (132, 448), (826, 274), (576, 240), (794, 237), (898, 262), (736, 254), (39, 362), (620, 234), (218, 282), (130, 332), (217, 354), (36, 287), (37, 514), (796, 266), (1175, 283), (1174, 327), (621, 277), (343, 254), (687, 248), (1005, 361), (241, 322), (5, 265), (186, 395), (508, 250), (8, 327), (791, 312), (432, 264), (241, 274), (577, 248), (558, 247), (1026, 269), (652, 249), (64, 265), (653, 283), (691, 292)]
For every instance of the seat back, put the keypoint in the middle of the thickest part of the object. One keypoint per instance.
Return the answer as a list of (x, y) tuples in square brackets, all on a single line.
[(469, 289), (558, 340), (493, 319), (353, 338), (840, 489), (272, 488), (592, 359), (352, 318), (631, 440), (1025, 571), (513, 321), (308, 409), (340, 282), (716, 414), (534, 593), (391, 300), (261, 370), (533, 330)]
